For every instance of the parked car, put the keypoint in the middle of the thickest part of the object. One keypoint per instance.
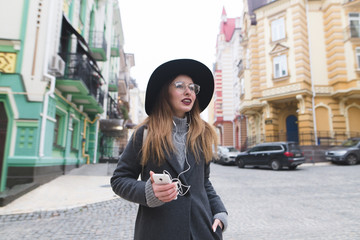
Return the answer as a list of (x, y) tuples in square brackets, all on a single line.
[(226, 155), (274, 154), (348, 152)]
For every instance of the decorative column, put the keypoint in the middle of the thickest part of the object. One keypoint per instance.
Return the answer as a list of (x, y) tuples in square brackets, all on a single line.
[(339, 119), (271, 122), (305, 120)]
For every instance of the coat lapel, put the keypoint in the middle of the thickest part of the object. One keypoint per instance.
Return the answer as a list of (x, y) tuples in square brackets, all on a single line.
[(174, 164)]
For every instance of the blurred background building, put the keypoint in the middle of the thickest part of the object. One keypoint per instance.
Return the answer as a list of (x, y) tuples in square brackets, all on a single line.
[(226, 100)]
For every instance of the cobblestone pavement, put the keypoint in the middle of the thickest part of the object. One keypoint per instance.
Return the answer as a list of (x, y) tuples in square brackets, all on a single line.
[(312, 202)]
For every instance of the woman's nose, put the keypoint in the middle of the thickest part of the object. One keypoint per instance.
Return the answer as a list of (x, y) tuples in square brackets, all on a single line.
[(187, 90)]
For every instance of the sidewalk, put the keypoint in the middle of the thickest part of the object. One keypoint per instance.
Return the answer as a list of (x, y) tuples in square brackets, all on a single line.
[(81, 186)]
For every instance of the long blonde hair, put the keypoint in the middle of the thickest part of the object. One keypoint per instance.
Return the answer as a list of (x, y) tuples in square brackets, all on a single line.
[(201, 136)]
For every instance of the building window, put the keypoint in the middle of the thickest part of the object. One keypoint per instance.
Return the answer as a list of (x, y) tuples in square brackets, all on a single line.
[(75, 135), (60, 130), (57, 130), (278, 29), (358, 58), (280, 66), (354, 19)]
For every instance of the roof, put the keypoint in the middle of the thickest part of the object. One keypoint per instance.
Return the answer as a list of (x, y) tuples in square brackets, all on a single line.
[(227, 26)]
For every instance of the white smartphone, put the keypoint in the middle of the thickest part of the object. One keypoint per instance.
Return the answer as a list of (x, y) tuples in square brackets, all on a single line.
[(161, 178)]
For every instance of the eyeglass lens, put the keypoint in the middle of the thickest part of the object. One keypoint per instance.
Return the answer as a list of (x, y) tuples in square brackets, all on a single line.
[(192, 86)]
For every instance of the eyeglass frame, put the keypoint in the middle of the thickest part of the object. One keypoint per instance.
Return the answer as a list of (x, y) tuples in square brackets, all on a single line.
[(196, 86)]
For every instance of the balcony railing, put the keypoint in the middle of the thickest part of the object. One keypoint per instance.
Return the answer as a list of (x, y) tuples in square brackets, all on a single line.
[(98, 45), (352, 32), (98, 40), (113, 82), (79, 67), (113, 79), (112, 110), (100, 96), (115, 46)]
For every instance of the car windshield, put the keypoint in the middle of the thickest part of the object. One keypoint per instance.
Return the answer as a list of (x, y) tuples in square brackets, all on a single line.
[(227, 149), (349, 143), (223, 149), (232, 149)]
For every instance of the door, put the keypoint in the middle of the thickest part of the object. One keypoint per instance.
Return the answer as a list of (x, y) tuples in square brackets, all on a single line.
[(3, 127), (256, 156), (292, 133)]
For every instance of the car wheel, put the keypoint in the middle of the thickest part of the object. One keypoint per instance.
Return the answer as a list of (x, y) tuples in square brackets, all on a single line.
[(351, 159), (275, 165), (240, 163), (292, 167)]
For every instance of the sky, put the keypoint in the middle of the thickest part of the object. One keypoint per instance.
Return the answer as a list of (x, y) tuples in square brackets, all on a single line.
[(157, 31)]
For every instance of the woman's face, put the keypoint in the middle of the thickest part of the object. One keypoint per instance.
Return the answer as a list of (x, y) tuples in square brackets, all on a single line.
[(182, 95)]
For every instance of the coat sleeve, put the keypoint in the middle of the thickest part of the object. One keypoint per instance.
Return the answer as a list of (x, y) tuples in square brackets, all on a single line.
[(215, 201), (124, 181)]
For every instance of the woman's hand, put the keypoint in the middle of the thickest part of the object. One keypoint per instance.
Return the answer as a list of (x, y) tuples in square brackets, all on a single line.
[(217, 223), (164, 192)]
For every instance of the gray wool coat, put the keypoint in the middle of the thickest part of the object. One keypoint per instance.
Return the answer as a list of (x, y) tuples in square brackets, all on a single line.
[(188, 217)]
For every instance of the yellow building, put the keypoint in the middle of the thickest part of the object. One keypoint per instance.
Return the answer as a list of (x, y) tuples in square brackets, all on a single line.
[(300, 74)]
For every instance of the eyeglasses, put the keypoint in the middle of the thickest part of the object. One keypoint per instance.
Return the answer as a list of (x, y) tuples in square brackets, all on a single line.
[(181, 87)]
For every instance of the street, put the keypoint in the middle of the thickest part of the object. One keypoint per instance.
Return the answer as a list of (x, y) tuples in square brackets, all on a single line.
[(313, 202)]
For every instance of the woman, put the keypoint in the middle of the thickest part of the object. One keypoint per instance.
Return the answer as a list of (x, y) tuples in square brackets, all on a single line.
[(174, 140)]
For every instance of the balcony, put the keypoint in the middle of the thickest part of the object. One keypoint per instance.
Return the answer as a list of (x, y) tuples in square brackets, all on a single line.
[(115, 47), (98, 46), (113, 125), (112, 109), (82, 82), (113, 82), (240, 67), (351, 3), (250, 106), (352, 33), (123, 86)]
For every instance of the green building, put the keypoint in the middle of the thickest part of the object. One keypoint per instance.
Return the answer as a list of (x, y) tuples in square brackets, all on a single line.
[(64, 82)]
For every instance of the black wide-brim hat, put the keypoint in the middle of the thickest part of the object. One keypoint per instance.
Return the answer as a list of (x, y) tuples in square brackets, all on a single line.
[(199, 73)]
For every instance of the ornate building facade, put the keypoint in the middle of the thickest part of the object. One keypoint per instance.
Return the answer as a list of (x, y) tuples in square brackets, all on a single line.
[(63, 81), (301, 72)]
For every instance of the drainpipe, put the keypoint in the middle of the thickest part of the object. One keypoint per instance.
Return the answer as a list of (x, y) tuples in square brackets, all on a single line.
[(96, 141), (87, 156), (222, 134), (311, 77), (45, 110), (234, 132), (52, 85)]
